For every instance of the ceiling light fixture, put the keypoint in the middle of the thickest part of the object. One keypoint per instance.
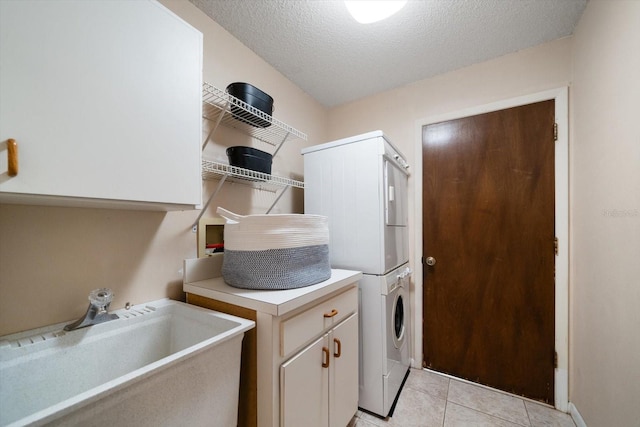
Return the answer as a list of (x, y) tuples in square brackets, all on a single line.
[(366, 12)]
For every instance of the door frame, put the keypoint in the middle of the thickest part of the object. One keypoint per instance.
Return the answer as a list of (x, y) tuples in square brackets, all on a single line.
[(561, 98)]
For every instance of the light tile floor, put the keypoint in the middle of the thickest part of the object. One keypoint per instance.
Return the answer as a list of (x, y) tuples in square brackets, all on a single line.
[(432, 400)]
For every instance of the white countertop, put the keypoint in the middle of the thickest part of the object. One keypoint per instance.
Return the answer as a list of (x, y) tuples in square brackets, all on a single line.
[(275, 303)]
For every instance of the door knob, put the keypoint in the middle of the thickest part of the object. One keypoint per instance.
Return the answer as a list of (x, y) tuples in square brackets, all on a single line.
[(431, 261)]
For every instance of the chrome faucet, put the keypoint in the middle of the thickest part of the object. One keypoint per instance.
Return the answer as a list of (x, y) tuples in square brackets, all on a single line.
[(99, 300)]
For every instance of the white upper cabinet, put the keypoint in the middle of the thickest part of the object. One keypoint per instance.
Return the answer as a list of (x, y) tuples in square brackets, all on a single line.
[(104, 101)]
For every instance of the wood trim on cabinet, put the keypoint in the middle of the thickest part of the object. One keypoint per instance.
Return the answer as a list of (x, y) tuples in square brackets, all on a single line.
[(12, 157)]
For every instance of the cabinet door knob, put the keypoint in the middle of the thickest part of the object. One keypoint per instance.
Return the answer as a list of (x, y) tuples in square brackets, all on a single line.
[(12, 157), (332, 313), (338, 350), (325, 357)]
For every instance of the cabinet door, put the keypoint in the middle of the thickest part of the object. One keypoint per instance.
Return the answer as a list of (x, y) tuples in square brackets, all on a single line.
[(104, 101), (343, 396), (304, 386)]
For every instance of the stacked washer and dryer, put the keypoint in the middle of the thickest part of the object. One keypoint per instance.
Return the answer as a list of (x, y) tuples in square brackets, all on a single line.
[(360, 183)]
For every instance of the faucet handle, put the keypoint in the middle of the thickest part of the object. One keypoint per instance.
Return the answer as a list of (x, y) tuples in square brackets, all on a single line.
[(101, 297)]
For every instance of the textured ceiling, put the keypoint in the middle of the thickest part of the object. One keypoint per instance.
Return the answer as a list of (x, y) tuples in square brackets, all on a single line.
[(318, 45)]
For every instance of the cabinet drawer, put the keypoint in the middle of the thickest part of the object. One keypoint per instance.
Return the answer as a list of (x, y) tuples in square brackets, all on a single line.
[(302, 328)]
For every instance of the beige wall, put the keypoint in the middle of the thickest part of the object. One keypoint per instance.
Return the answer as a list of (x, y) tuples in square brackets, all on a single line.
[(605, 220), (51, 258), (547, 66), (399, 113)]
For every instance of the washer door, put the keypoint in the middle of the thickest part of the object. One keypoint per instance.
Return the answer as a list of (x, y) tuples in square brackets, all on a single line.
[(398, 323)]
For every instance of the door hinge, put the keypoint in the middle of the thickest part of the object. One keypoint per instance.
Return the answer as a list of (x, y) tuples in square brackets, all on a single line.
[(555, 245), (555, 359), (555, 131)]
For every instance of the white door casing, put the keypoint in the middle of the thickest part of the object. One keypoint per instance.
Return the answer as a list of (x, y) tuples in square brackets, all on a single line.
[(561, 98)]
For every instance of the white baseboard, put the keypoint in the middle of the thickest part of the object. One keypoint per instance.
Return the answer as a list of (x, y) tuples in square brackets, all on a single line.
[(577, 418)]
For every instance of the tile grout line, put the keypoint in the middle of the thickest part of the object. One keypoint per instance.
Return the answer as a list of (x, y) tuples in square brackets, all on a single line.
[(486, 387), (493, 415), (450, 379), (530, 411), (444, 414), (527, 411), (446, 402)]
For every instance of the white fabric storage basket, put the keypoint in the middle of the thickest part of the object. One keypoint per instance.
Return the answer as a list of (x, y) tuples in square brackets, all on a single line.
[(280, 251)]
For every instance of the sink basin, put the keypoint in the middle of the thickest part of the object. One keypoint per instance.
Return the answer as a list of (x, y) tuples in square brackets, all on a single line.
[(161, 363)]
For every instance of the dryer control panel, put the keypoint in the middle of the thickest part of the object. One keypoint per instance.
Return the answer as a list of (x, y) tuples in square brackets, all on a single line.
[(396, 278)]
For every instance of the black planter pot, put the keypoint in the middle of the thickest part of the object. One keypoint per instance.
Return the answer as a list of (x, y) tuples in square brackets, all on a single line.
[(250, 158), (253, 97)]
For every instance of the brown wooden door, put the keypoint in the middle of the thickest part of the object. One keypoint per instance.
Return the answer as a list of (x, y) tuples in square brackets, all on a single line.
[(488, 221)]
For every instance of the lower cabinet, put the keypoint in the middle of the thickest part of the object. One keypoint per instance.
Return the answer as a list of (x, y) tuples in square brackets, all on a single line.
[(319, 385), (299, 368)]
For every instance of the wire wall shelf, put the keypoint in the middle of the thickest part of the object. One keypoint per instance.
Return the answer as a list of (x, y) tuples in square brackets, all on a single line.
[(262, 181), (223, 108), (214, 171)]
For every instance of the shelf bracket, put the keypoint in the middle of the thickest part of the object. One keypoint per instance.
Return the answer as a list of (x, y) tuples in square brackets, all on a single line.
[(206, 141), (213, 195), (278, 198), (215, 126), (281, 144)]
